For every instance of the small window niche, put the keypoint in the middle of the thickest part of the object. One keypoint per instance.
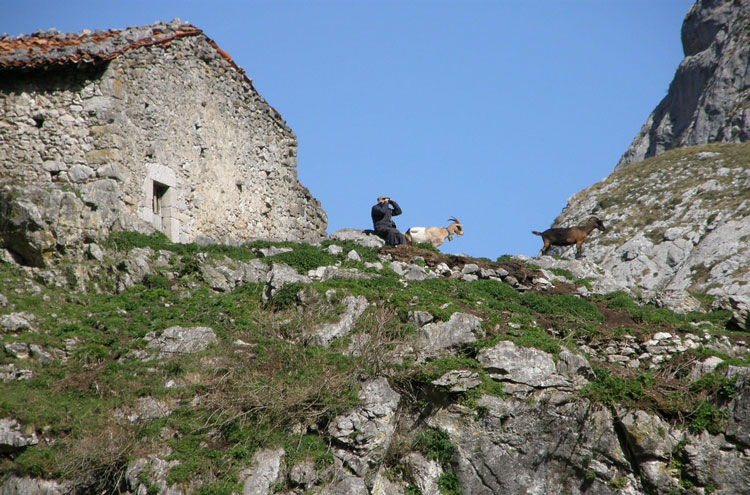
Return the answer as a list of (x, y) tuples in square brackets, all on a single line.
[(161, 195), (160, 206)]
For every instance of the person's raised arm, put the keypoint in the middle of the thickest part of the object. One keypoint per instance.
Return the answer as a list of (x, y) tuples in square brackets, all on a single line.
[(396, 208)]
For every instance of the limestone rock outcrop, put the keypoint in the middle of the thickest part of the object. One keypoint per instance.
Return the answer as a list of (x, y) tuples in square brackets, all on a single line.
[(675, 223)]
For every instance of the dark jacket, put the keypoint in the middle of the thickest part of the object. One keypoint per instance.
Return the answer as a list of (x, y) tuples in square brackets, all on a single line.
[(382, 213)]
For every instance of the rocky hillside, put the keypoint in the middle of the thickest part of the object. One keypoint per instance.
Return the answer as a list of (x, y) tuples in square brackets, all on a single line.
[(347, 368), (677, 206), (709, 98), (676, 222)]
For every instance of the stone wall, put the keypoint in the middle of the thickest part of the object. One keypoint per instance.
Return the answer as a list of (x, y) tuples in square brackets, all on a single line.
[(172, 135), (48, 125)]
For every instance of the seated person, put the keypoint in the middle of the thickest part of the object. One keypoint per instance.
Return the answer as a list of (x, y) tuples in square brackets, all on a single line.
[(384, 226)]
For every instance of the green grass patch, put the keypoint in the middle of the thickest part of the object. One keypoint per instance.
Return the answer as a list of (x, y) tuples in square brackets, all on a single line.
[(562, 272), (304, 258), (426, 246), (569, 306), (126, 241), (448, 484), (611, 389), (660, 316), (716, 385), (537, 338), (436, 445)]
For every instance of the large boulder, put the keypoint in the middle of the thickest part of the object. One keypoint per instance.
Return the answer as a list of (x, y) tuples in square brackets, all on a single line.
[(366, 238), (738, 420), (12, 439), (14, 485), (526, 368), (354, 308), (180, 340), (363, 436), (437, 339), (264, 471), (226, 275), (39, 223), (523, 446)]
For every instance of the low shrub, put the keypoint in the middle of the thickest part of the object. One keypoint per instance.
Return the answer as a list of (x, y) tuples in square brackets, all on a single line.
[(717, 385), (610, 389), (448, 484), (435, 445), (426, 246), (707, 417)]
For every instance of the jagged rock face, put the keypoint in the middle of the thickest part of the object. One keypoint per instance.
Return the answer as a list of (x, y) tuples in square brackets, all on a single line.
[(708, 98), (519, 447), (675, 222)]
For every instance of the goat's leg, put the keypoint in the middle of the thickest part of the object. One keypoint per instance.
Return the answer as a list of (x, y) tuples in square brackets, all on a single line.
[(579, 250), (545, 247)]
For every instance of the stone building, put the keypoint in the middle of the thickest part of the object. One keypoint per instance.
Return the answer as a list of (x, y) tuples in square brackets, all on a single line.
[(145, 126)]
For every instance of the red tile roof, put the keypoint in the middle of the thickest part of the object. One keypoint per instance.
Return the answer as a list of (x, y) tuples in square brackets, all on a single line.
[(53, 48)]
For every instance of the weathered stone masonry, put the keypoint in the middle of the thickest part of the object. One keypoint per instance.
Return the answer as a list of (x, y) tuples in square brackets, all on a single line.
[(151, 125)]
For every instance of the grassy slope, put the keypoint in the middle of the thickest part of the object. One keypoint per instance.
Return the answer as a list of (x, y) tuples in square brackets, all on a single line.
[(239, 396)]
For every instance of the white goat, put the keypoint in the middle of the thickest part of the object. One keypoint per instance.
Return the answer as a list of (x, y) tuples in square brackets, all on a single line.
[(434, 235)]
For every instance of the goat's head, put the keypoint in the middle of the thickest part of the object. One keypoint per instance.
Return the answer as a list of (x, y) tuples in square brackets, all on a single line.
[(597, 223), (455, 228)]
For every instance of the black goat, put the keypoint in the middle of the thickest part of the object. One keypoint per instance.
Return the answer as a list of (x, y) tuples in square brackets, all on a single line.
[(569, 235)]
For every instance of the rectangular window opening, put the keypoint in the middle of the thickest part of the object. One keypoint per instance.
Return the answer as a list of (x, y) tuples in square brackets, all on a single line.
[(160, 191)]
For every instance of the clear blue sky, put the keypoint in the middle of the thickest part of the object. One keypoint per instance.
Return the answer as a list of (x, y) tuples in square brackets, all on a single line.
[(495, 112)]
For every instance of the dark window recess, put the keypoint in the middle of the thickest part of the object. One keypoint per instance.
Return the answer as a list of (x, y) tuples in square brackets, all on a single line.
[(158, 202)]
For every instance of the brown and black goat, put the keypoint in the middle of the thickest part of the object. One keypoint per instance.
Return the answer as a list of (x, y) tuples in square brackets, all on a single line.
[(571, 235)]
